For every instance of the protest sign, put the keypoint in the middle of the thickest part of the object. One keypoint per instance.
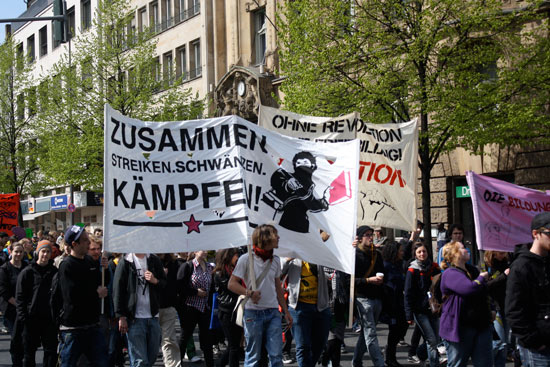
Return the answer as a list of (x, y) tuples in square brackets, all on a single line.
[(9, 212), (388, 162), (205, 184), (503, 211)]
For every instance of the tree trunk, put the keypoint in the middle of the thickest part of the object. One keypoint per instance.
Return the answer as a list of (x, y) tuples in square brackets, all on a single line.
[(425, 172)]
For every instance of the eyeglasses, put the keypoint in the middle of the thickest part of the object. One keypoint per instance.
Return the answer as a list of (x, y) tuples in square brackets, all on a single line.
[(367, 235), (545, 232)]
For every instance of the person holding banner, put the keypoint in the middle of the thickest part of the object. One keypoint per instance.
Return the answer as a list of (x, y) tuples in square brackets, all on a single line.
[(81, 292), (262, 319), (369, 278), (528, 296)]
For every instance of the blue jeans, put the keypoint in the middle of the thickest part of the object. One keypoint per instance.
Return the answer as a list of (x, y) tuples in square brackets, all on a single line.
[(90, 342), (143, 341), (429, 327), (473, 343), (531, 358), (369, 311), (500, 346), (260, 325), (310, 331)]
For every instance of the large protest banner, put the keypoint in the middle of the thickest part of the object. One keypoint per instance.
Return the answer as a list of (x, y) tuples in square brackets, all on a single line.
[(204, 184), (388, 162), (503, 211), (9, 212)]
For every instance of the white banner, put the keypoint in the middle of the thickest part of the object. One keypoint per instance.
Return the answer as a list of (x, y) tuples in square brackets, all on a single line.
[(388, 163), (204, 184)]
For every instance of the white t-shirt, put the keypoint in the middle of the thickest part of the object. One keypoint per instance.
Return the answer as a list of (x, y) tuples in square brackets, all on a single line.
[(268, 297), (143, 304)]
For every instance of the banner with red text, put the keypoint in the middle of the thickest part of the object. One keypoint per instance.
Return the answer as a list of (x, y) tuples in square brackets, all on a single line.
[(206, 184), (9, 212), (503, 211), (388, 161)]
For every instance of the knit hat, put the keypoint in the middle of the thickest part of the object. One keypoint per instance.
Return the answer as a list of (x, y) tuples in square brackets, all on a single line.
[(72, 234), (361, 230), (42, 245), (541, 220)]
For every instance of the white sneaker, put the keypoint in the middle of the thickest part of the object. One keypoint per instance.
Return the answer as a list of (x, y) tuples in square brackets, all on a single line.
[(195, 359), (441, 349)]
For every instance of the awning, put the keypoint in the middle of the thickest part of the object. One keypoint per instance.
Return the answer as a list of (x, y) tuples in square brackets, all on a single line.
[(27, 217)]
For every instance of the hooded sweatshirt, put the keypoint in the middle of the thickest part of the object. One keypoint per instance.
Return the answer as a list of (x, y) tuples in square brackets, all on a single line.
[(528, 299)]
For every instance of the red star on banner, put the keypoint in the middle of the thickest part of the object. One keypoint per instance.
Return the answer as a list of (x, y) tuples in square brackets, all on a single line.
[(192, 224)]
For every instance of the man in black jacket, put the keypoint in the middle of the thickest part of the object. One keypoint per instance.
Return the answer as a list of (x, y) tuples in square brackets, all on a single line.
[(32, 301), (81, 291), (528, 296), (139, 279), (369, 277)]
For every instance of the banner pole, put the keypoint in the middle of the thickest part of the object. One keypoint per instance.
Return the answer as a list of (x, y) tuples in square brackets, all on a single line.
[(351, 297)]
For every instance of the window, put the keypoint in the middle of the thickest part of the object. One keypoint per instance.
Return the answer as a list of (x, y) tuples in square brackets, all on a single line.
[(72, 24), (196, 69), (43, 39), (31, 101), (154, 18), (168, 66), (30, 49), (194, 7), (157, 72), (20, 56), (142, 19), (43, 94), (259, 36), (181, 63), (179, 10), (85, 14), (168, 21), (20, 108), (132, 31), (55, 44)]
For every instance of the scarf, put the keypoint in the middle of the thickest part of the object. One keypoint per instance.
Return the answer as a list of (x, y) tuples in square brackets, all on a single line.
[(263, 254), (421, 265)]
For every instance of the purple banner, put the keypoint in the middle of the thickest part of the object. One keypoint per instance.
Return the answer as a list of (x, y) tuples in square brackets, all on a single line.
[(503, 211)]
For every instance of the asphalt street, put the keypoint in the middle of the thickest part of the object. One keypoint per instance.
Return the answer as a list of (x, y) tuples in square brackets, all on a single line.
[(350, 340)]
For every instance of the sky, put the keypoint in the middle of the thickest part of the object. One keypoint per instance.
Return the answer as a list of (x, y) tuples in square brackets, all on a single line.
[(10, 9)]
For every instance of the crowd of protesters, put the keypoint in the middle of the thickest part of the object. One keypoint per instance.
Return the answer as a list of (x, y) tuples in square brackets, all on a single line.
[(89, 308)]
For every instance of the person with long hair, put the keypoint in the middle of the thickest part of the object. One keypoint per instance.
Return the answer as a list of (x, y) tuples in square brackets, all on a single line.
[(465, 324), (418, 281), (226, 260), (394, 282), (497, 265), (262, 319), (195, 283)]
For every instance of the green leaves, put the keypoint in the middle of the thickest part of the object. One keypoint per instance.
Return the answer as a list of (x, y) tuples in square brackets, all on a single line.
[(109, 64)]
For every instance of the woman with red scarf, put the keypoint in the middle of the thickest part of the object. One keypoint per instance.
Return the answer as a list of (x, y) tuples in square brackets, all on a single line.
[(225, 263), (262, 319)]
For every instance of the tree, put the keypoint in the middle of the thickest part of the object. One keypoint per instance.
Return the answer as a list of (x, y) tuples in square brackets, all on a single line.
[(472, 73), (18, 148), (111, 63)]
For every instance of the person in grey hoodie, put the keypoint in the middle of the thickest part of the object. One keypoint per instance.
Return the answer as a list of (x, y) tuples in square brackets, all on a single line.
[(309, 306)]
